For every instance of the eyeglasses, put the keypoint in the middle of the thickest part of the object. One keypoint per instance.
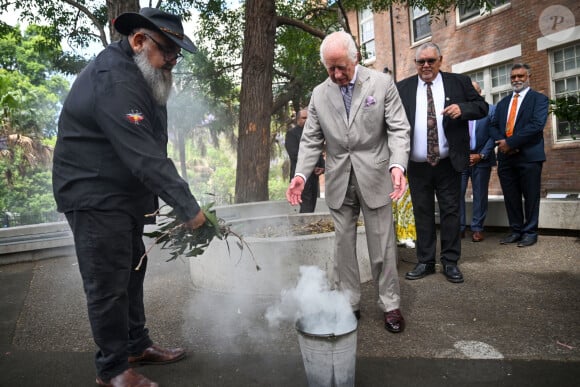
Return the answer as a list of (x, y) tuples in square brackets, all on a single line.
[(332, 69), (168, 54), (421, 62)]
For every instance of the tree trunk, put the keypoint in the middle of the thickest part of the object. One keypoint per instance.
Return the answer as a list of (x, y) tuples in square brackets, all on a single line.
[(117, 7), (256, 102)]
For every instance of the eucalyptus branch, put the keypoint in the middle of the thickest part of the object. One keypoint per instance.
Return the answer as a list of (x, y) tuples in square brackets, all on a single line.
[(173, 235)]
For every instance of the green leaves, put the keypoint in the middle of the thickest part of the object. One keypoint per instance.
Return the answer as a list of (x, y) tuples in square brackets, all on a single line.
[(174, 236), (567, 110)]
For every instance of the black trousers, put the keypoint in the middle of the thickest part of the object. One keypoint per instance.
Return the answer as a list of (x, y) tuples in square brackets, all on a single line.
[(520, 179), (310, 194), (108, 246), (444, 182)]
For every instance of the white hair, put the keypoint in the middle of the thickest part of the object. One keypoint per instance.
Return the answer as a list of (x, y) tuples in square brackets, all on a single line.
[(342, 38)]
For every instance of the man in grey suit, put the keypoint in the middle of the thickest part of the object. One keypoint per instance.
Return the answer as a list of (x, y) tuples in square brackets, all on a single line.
[(358, 113)]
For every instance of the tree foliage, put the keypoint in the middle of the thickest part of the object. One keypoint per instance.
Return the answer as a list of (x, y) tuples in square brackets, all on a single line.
[(30, 97), (236, 52), (30, 88)]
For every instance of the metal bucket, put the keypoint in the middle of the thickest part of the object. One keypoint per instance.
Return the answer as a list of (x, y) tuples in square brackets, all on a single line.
[(329, 359)]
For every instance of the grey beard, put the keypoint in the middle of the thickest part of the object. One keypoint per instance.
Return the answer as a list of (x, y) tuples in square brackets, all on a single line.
[(519, 86), (159, 80)]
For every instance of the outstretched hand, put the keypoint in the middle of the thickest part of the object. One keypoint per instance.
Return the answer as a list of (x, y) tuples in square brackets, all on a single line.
[(294, 191)]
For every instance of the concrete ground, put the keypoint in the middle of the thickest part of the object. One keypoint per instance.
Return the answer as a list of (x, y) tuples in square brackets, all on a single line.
[(514, 322)]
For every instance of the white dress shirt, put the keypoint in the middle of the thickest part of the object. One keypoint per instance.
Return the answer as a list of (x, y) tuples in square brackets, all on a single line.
[(521, 96), (419, 153)]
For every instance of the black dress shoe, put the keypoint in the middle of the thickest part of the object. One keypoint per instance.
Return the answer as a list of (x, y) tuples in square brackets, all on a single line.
[(527, 241), (512, 238), (453, 274), (420, 271), (394, 321)]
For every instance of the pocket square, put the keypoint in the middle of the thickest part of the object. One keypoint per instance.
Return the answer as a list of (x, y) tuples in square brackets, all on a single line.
[(370, 101)]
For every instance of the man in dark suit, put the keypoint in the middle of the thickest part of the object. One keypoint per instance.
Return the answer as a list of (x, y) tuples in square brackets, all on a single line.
[(518, 130), (481, 159), (292, 144), (438, 106)]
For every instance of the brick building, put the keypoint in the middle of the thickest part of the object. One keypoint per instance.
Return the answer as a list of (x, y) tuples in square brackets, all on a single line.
[(484, 45)]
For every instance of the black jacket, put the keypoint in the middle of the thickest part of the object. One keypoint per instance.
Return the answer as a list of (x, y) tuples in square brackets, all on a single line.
[(111, 150), (292, 144), (460, 91)]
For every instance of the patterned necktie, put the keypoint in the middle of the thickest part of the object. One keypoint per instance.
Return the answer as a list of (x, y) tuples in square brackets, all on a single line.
[(509, 128), (347, 96), (432, 135)]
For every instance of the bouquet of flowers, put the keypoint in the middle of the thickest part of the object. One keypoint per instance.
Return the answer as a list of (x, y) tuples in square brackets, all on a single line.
[(174, 236)]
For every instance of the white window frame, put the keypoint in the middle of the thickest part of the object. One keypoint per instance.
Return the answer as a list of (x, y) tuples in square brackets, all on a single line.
[(367, 34), (564, 75), (485, 64), (481, 12), (416, 13), (484, 76)]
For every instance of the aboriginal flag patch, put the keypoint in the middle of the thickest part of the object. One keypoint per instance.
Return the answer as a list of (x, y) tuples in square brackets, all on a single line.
[(134, 117)]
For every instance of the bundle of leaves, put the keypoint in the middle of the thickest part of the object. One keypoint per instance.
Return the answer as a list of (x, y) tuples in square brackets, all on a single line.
[(174, 236)]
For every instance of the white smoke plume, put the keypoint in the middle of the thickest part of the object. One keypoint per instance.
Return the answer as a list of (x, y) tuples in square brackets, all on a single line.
[(314, 306)]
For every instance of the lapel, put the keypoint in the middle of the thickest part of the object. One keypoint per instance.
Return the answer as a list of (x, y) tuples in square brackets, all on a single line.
[(524, 106), (361, 89), (409, 98), (447, 87), (501, 112), (335, 98)]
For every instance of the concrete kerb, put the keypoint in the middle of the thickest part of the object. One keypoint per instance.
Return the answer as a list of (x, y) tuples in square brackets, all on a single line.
[(50, 240)]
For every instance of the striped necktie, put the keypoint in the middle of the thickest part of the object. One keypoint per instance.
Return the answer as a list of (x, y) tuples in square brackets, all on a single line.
[(347, 96)]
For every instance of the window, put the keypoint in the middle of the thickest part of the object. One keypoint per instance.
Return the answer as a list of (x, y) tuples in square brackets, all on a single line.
[(367, 33), (565, 72), (494, 82), (479, 78), (469, 11), (421, 27), (500, 82)]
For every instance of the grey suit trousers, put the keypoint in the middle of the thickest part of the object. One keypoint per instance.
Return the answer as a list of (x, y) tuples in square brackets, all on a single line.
[(381, 246)]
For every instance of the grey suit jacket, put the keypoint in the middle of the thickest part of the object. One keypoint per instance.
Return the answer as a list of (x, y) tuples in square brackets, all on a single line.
[(375, 136)]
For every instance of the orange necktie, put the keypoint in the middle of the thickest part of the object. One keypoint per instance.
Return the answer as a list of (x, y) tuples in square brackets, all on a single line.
[(509, 130)]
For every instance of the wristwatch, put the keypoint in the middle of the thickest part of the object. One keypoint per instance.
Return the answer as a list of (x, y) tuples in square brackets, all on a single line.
[(483, 156)]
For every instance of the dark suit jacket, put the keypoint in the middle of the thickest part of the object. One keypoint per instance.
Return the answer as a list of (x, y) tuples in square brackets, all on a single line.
[(484, 143), (528, 136), (292, 144), (460, 91)]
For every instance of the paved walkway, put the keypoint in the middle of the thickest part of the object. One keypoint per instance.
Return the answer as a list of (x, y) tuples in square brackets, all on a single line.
[(514, 322)]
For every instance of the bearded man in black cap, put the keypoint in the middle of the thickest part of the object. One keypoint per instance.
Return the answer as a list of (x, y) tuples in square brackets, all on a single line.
[(110, 167)]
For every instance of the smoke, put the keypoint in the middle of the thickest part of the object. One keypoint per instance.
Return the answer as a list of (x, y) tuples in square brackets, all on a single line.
[(313, 306)]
